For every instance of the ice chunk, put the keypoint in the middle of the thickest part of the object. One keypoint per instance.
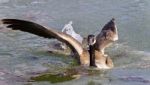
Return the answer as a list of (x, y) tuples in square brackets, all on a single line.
[(68, 29)]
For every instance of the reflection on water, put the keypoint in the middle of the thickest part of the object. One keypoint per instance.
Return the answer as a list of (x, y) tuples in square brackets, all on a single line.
[(23, 55)]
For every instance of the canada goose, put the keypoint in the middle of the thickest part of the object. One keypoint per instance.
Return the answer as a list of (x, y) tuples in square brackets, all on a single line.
[(106, 36)]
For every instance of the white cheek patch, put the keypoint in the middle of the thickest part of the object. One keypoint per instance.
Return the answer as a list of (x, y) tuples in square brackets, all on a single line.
[(94, 42)]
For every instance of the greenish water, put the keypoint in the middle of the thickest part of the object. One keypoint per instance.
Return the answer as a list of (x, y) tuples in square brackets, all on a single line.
[(51, 78), (24, 55), (74, 72)]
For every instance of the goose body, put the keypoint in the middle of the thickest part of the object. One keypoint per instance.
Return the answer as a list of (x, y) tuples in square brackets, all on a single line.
[(103, 39)]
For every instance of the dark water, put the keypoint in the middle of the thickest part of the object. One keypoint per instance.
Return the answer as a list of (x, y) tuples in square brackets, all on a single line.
[(22, 54)]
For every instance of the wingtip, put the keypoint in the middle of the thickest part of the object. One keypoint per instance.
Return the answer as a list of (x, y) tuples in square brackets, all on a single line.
[(1, 21), (110, 24), (113, 19)]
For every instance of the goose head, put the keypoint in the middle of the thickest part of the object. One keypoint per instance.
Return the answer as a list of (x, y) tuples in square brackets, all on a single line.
[(91, 40)]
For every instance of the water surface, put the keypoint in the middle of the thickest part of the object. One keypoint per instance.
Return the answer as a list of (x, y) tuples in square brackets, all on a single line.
[(22, 54)]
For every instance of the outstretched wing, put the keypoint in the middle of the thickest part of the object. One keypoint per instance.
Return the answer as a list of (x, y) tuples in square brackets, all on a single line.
[(107, 35), (42, 31)]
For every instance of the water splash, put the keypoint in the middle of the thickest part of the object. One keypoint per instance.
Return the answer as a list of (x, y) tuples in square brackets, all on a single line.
[(68, 29)]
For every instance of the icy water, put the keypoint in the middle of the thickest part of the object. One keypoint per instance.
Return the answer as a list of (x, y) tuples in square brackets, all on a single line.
[(24, 55)]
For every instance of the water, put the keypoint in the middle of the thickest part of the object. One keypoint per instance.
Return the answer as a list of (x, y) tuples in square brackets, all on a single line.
[(22, 54)]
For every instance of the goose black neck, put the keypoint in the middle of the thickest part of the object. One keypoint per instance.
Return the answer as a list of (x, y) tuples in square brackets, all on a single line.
[(92, 56)]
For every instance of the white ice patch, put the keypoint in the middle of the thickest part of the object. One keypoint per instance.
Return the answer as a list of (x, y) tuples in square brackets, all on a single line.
[(68, 29)]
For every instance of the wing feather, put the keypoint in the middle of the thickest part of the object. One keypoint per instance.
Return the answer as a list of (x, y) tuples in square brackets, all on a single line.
[(107, 35), (42, 31)]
